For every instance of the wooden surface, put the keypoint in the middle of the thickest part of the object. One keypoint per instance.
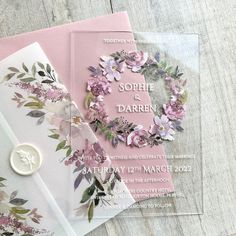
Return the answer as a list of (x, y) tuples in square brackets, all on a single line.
[(215, 22)]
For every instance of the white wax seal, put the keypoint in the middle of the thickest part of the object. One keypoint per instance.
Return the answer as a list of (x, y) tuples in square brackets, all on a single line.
[(25, 159)]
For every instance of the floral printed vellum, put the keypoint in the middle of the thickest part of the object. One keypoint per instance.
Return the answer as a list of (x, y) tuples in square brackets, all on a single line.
[(24, 207), (76, 169)]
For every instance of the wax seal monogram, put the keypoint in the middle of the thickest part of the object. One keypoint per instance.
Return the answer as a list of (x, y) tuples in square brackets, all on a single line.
[(25, 159)]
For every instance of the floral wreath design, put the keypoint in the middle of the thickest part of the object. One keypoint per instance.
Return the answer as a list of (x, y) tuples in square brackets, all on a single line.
[(15, 216), (47, 100), (120, 130)]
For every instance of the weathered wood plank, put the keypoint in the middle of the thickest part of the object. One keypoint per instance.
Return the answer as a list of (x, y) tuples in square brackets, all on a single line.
[(62, 11), (215, 22), (18, 16)]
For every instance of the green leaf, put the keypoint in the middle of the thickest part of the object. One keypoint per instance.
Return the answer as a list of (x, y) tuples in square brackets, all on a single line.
[(61, 145), (90, 211), (52, 130), (20, 210), (88, 193), (7, 234), (36, 99), (28, 80), (33, 70), (35, 220), (34, 105), (88, 99), (13, 69), (18, 201), (48, 68), (78, 180), (98, 184), (40, 120), (54, 136), (25, 68), (184, 97), (47, 81), (36, 114), (13, 195), (41, 65), (21, 75), (69, 151), (96, 201), (41, 73), (8, 77), (2, 179), (101, 194)]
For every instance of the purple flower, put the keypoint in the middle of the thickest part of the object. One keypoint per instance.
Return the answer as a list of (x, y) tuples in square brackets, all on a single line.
[(112, 68), (162, 127), (135, 60), (95, 71), (99, 86), (138, 137), (95, 156), (174, 110)]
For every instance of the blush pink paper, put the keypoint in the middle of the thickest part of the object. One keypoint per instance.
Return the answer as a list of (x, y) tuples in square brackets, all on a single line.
[(55, 41), (87, 48)]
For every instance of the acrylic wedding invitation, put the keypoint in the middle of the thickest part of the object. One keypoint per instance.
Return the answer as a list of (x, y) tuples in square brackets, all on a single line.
[(119, 107), (39, 110), (108, 84)]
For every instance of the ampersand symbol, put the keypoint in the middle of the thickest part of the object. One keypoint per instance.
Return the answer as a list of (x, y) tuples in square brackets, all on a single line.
[(137, 97)]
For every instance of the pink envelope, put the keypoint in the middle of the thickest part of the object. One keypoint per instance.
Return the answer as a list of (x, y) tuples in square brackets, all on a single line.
[(56, 43)]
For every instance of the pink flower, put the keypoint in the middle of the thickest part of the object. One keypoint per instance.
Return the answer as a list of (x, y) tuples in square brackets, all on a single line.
[(4, 220), (138, 137), (97, 111), (136, 60), (112, 68), (174, 110), (54, 95), (95, 156), (99, 86), (162, 127), (176, 86), (68, 130)]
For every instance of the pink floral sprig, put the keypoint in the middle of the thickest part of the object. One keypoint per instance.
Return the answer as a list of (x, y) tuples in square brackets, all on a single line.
[(49, 92)]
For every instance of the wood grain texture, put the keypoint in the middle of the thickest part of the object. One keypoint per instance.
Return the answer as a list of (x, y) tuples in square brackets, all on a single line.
[(215, 22)]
